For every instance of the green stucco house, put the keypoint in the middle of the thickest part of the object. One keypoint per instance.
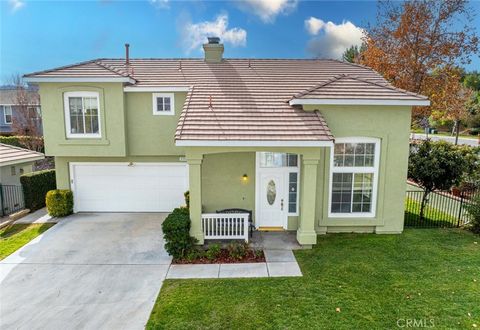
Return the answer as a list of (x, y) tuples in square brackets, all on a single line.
[(313, 146)]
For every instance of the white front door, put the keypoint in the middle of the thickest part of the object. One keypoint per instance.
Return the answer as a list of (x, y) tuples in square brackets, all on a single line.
[(272, 199)]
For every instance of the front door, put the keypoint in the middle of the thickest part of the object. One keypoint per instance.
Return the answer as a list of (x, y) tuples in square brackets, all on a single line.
[(272, 199)]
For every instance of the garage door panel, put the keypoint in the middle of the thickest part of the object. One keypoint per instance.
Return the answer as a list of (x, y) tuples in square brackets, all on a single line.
[(123, 188)]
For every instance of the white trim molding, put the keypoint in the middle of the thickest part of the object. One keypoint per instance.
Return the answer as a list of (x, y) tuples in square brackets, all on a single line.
[(358, 102), (79, 79), (66, 106), (170, 112), (237, 143), (346, 169), (149, 89)]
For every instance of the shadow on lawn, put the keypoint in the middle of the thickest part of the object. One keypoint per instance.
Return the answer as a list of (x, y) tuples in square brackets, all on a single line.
[(14, 229)]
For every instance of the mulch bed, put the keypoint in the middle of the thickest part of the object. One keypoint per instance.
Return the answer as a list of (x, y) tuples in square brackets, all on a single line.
[(225, 258)]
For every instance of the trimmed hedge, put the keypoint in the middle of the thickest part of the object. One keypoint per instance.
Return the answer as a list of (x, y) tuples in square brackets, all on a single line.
[(18, 141), (35, 187), (176, 232), (59, 202)]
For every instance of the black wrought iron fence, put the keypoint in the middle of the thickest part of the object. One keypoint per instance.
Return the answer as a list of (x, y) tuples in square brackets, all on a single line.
[(443, 209), (11, 199)]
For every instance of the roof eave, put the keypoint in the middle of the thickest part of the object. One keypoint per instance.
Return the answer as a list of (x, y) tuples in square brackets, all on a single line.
[(296, 101), (251, 143), (79, 79)]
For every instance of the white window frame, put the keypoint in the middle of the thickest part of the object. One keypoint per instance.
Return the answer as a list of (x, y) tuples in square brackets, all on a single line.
[(172, 104), (347, 169), (66, 107), (5, 107)]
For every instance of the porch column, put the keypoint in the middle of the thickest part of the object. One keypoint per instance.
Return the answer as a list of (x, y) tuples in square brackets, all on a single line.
[(306, 234), (195, 183)]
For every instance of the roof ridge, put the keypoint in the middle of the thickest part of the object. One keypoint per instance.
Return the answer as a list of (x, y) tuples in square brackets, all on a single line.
[(112, 68), (356, 65), (61, 67), (323, 84), (185, 109)]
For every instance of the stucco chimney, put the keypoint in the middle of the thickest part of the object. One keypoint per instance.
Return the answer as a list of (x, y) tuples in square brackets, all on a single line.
[(213, 50)]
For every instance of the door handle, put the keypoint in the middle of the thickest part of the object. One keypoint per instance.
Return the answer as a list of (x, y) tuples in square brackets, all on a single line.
[(281, 204)]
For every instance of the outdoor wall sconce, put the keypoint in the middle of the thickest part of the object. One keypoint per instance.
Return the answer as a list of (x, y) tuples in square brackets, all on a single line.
[(245, 178)]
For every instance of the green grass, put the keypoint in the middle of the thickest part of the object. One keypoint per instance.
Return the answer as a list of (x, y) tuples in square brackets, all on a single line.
[(433, 217), (15, 236), (375, 280)]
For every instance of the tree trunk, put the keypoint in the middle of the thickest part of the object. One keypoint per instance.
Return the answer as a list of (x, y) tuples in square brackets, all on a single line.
[(423, 204), (457, 130)]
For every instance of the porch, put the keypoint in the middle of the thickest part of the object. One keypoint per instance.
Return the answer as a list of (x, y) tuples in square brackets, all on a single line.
[(278, 186)]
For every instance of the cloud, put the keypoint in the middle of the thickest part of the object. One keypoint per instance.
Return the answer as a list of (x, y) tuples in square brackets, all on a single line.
[(16, 5), (268, 10), (330, 40), (160, 4), (195, 34)]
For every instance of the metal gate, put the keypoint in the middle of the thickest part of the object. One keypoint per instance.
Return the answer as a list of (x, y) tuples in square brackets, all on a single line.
[(11, 199)]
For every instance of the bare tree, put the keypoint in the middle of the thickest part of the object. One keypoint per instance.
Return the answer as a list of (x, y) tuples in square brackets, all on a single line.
[(26, 121)]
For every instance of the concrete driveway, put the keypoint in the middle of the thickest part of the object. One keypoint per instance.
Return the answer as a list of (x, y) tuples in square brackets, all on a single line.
[(90, 271)]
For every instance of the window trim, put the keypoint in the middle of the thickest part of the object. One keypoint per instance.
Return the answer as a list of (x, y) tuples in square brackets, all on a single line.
[(5, 107), (66, 109), (344, 169), (172, 104)]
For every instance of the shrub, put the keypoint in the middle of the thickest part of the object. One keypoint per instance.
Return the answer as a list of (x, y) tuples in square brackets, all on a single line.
[(176, 232), (35, 187), (474, 212), (213, 252), (59, 202), (237, 250)]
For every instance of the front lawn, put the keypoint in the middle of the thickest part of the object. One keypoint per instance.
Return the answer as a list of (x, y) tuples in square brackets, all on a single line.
[(351, 281), (15, 236)]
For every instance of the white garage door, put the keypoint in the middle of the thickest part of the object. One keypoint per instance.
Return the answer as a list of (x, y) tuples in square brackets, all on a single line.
[(120, 187)]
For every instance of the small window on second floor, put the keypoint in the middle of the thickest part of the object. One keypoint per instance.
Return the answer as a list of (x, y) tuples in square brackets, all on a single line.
[(8, 114), (163, 104), (82, 115)]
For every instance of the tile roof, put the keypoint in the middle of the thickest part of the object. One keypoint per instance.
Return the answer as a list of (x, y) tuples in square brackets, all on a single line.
[(353, 87), (10, 155), (247, 99)]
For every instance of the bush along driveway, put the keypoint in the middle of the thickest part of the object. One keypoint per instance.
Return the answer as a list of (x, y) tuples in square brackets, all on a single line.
[(350, 282)]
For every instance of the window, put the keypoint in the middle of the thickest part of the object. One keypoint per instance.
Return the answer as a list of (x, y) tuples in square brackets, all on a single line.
[(354, 174), (33, 113), (274, 159), (292, 192), (7, 113), (13, 171), (82, 114), (163, 104)]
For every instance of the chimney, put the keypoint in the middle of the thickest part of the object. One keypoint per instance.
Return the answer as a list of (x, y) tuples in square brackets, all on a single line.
[(213, 50), (127, 55)]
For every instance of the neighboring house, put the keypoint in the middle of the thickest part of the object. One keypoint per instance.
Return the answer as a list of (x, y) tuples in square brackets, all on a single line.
[(311, 145), (10, 109), (14, 162)]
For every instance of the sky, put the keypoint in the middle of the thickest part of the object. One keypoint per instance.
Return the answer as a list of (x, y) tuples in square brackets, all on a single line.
[(38, 35)]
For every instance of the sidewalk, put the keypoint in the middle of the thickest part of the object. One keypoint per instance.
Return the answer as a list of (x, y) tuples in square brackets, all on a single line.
[(278, 263), (39, 216)]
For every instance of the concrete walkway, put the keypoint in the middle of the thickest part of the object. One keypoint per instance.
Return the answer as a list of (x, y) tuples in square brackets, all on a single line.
[(39, 216), (279, 263), (89, 271)]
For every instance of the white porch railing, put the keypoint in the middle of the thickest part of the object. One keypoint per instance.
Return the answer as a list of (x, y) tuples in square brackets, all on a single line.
[(225, 226)]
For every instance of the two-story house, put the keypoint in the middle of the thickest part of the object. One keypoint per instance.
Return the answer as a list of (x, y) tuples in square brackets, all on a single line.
[(309, 145), (23, 108)]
